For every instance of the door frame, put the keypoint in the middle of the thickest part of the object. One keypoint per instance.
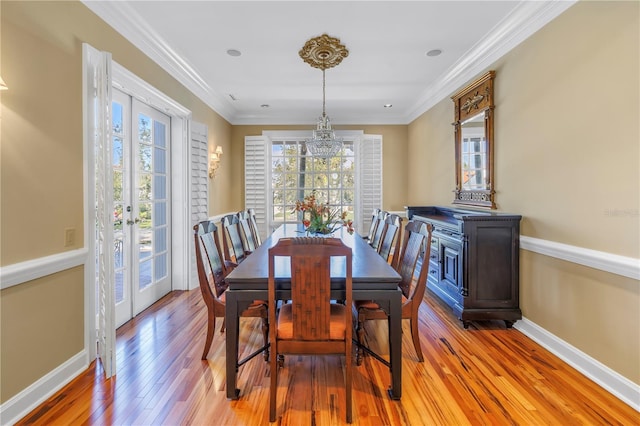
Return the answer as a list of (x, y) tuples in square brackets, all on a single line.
[(129, 83)]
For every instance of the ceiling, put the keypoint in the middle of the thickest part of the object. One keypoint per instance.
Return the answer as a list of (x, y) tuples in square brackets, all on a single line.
[(387, 43)]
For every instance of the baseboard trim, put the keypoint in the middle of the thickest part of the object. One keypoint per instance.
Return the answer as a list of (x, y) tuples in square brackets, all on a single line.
[(614, 383), (29, 270), (608, 262), (38, 392)]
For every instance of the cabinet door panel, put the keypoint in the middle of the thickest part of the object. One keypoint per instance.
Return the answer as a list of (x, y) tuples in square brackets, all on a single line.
[(451, 267)]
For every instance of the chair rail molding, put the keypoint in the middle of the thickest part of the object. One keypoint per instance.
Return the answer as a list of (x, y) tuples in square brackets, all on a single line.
[(30, 270), (620, 265)]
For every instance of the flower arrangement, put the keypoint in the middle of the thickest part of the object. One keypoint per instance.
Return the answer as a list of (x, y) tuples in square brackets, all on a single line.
[(322, 219)]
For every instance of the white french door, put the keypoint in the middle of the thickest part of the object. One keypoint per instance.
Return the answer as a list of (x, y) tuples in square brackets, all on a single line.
[(141, 205)]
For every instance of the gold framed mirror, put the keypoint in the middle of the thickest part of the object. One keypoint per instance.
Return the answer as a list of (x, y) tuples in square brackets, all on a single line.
[(474, 143)]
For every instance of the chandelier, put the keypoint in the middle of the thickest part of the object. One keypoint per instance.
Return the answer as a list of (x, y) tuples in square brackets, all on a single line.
[(323, 52)]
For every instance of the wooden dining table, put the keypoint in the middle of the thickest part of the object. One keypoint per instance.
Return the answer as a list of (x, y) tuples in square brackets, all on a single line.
[(373, 279)]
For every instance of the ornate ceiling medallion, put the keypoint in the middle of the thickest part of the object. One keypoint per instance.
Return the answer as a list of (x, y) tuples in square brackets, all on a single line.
[(323, 52)]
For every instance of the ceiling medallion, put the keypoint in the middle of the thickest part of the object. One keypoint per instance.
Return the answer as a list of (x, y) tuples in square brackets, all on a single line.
[(323, 52)]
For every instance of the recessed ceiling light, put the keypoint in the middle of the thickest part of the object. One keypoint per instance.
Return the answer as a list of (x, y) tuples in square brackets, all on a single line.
[(388, 105), (233, 52), (264, 106), (434, 52)]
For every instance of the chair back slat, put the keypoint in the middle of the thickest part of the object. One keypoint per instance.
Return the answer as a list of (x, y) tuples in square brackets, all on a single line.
[(248, 240), (391, 239), (234, 249), (417, 238), (211, 269), (311, 282)]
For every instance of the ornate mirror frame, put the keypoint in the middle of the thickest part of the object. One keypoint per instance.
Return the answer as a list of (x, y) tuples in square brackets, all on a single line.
[(475, 99)]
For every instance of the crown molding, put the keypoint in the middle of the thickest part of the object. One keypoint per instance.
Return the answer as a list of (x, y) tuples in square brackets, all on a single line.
[(526, 18), (126, 21)]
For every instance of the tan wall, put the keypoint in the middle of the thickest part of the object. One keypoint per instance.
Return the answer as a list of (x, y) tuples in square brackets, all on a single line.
[(394, 140), (567, 159), (41, 172), (42, 327)]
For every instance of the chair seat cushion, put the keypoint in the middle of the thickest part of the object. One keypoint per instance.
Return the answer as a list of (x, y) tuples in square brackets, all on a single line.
[(337, 329), (370, 304)]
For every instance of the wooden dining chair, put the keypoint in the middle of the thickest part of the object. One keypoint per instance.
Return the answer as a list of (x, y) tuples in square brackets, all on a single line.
[(212, 271), (373, 225), (417, 244), (234, 248), (249, 243), (251, 216), (379, 232), (310, 324), (390, 244)]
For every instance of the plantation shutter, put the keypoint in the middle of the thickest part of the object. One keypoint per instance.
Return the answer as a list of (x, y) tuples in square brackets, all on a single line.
[(368, 179), (199, 185), (256, 178), (96, 81)]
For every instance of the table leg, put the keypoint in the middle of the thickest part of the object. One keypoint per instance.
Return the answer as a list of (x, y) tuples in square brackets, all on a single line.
[(395, 343), (232, 325)]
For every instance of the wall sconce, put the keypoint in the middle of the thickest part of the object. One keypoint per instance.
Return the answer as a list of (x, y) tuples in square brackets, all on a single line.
[(214, 162), (3, 85)]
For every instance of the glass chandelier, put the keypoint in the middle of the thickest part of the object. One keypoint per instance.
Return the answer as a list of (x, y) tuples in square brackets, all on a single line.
[(323, 52)]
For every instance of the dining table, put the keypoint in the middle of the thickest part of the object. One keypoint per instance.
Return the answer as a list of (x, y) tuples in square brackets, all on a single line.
[(372, 277)]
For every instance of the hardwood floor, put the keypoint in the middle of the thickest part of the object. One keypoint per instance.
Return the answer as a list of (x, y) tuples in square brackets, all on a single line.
[(483, 375)]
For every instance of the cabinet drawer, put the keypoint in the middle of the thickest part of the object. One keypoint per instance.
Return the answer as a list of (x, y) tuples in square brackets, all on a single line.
[(434, 243), (434, 272), (434, 255)]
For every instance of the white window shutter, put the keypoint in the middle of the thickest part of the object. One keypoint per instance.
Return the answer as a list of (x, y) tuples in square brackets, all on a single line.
[(368, 180), (97, 85), (199, 188), (256, 178)]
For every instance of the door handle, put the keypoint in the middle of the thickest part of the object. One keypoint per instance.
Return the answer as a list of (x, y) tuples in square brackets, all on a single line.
[(131, 222)]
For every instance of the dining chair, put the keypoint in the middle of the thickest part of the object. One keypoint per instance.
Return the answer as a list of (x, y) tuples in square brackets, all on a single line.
[(379, 232), (212, 271), (417, 244), (234, 248), (251, 213), (310, 324), (372, 227), (390, 244)]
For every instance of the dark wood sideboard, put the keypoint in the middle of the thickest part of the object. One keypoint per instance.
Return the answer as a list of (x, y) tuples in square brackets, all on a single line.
[(475, 261)]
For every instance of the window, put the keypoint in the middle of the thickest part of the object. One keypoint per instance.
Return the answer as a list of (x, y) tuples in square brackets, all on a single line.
[(278, 172), (295, 173)]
